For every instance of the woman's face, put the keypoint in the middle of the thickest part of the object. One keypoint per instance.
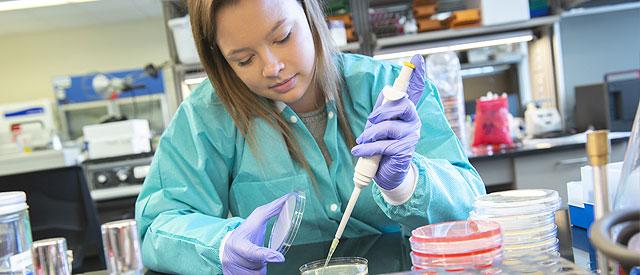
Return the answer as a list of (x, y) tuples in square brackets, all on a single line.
[(269, 45)]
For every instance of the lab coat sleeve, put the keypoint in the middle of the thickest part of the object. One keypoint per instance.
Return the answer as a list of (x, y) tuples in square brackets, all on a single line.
[(182, 208), (447, 184)]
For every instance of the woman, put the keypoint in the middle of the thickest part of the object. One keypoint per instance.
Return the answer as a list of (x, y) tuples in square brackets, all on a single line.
[(280, 112)]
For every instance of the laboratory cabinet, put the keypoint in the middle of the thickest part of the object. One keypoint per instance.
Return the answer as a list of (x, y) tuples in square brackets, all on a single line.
[(544, 168), (553, 170)]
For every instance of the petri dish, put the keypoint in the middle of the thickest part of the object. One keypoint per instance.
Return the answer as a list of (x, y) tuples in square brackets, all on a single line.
[(533, 235), (456, 237), (549, 246), (337, 266), (518, 222), (517, 202), (451, 262), (285, 227)]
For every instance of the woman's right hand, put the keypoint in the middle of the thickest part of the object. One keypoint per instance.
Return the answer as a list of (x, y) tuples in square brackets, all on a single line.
[(243, 252)]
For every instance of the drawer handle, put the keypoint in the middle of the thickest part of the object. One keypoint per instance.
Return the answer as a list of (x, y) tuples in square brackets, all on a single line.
[(575, 161)]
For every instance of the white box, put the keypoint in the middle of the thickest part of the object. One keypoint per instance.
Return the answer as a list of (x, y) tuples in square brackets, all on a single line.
[(117, 138), (118, 147), (114, 130), (495, 12), (183, 38)]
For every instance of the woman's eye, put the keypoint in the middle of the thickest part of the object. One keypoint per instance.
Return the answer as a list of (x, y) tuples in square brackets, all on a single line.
[(285, 39), (246, 61)]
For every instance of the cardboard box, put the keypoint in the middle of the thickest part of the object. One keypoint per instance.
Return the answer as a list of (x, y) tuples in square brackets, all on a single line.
[(424, 11), (425, 25)]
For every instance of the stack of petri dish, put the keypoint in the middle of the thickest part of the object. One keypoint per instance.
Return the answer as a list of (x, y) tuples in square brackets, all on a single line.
[(456, 246), (527, 218)]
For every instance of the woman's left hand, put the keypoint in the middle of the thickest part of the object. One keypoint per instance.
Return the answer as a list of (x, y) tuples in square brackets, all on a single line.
[(393, 130)]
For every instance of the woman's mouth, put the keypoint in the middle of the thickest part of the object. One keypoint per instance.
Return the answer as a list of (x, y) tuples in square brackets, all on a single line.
[(286, 85)]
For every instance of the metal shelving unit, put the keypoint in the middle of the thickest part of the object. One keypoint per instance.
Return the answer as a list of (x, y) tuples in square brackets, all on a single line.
[(368, 44), (602, 9), (433, 36)]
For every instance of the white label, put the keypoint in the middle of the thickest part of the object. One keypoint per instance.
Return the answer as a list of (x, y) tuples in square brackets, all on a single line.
[(19, 261)]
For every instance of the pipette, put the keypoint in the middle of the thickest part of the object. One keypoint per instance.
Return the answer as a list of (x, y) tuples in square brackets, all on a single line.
[(366, 167)]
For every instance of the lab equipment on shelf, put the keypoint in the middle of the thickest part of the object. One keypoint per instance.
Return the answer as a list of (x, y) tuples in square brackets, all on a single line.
[(118, 138), (26, 126), (15, 234)]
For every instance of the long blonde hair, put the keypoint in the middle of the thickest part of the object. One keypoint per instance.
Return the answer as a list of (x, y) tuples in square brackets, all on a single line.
[(242, 104)]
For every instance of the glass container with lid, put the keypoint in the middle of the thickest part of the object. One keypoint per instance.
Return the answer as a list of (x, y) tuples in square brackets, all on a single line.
[(15, 234)]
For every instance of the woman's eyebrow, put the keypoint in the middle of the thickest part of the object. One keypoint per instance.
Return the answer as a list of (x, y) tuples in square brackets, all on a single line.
[(275, 27)]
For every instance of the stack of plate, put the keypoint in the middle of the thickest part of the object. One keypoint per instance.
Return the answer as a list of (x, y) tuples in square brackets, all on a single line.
[(455, 246), (527, 218)]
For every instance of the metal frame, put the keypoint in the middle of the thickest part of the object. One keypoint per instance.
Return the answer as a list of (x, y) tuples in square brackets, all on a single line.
[(63, 109), (369, 45)]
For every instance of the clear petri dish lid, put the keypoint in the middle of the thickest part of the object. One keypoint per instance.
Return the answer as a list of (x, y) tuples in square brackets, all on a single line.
[(459, 247), (549, 251), (514, 202), (518, 222), (532, 248), (456, 231), (528, 236), (285, 227)]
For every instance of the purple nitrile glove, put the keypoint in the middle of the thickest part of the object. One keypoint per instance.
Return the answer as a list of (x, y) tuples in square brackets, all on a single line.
[(393, 130), (243, 250)]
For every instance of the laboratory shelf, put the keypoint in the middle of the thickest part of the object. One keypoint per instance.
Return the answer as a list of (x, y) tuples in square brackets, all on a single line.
[(493, 63), (189, 68), (105, 102), (602, 9), (353, 46), (464, 32), (484, 71)]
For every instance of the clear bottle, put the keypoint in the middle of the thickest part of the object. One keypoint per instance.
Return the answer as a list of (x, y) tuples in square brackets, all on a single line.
[(15, 234), (444, 70), (628, 189)]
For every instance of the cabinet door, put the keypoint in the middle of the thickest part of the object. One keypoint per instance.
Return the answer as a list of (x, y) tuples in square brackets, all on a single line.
[(553, 170), (495, 171)]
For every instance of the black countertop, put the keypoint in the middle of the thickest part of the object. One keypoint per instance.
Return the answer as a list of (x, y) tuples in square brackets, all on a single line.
[(538, 146), (388, 253)]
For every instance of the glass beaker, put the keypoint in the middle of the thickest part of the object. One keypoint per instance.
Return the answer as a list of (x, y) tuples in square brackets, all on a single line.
[(629, 186), (337, 266), (15, 234)]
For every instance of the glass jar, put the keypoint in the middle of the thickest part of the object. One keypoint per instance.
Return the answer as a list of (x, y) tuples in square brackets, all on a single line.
[(337, 266), (15, 234)]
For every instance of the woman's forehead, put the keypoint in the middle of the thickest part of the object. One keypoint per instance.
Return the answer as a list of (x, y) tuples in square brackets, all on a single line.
[(248, 20)]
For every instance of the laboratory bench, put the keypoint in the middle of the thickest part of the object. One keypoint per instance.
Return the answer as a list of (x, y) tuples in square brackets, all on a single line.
[(539, 163), (389, 253)]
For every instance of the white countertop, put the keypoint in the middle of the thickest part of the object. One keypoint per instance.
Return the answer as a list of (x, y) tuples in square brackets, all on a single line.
[(22, 162)]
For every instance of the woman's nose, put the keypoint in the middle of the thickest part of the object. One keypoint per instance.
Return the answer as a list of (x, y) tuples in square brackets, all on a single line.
[(272, 67)]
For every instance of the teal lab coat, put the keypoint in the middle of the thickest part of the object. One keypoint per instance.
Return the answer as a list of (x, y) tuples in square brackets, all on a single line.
[(203, 172)]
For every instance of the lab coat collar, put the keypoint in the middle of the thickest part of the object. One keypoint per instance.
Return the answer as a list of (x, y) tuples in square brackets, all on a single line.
[(281, 105)]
